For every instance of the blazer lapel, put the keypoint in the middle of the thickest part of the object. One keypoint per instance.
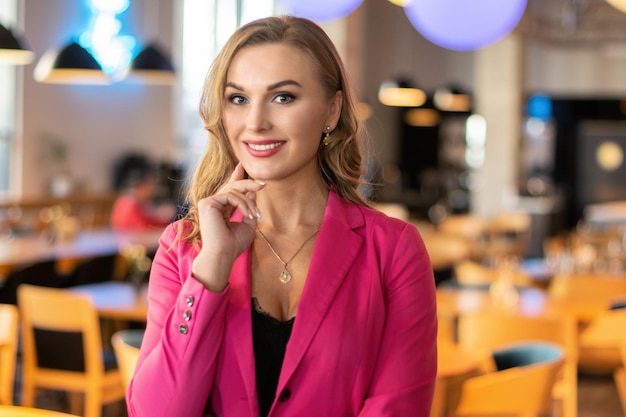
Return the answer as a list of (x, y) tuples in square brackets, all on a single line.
[(327, 271), (240, 327)]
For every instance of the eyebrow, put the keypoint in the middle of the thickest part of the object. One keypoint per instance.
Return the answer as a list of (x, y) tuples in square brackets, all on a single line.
[(269, 87)]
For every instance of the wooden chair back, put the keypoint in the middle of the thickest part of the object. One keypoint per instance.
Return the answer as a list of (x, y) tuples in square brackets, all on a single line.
[(600, 341), (523, 390), (62, 311), (8, 351), (126, 344), (487, 332), (620, 377)]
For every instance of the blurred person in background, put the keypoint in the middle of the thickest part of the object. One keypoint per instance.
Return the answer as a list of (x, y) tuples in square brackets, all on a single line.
[(136, 181)]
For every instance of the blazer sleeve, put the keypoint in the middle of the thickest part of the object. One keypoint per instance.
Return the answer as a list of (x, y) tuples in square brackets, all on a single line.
[(177, 361), (406, 368)]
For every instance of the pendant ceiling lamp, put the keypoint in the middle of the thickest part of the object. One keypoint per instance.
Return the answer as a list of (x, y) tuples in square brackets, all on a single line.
[(464, 25), (12, 49), (618, 4), (452, 99), (320, 10), (71, 65), (400, 93), (422, 117), (152, 66)]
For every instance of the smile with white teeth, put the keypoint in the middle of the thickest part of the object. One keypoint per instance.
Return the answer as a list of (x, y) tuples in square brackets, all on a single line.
[(265, 147)]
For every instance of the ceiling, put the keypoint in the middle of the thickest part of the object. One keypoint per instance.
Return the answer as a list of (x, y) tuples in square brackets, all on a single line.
[(574, 23)]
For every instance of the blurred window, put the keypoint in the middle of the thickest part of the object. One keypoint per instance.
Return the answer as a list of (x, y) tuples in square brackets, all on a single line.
[(8, 83), (206, 26)]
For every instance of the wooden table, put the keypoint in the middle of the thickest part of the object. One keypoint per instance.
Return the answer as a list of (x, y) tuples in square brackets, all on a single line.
[(24, 250), (452, 302), (117, 300), (19, 411), (33, 248)]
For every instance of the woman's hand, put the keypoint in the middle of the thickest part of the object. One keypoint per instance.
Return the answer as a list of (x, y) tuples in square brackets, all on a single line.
[(223, 240)]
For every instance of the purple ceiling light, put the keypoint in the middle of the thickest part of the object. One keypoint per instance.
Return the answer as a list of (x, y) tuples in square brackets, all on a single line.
[(464, 25), (320, 10)]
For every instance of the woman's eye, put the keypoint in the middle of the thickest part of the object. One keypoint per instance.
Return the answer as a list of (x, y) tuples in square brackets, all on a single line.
[(235, 99), (284, 98)]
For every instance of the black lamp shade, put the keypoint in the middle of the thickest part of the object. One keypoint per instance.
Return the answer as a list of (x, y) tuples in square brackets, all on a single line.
[(12, 49), (74, 56), (71, 65), (151, 58), (151, 66)]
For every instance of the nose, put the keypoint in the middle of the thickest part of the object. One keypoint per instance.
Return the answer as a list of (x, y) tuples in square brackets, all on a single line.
[(257, 117)]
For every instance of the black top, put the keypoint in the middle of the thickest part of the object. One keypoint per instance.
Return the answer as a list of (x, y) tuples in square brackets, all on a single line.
[(270, 337)]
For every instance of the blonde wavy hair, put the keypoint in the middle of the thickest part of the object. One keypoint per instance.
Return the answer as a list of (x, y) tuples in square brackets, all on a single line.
[(341, 162)]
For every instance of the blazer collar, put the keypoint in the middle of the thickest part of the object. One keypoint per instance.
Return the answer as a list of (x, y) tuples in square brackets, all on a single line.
[(327, 272)]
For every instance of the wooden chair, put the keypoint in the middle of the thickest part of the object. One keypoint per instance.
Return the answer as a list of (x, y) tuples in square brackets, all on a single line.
[(600, 340), (126, 344), (52, 314), (620, 376), (19, 411), (485, 333), (602, 345), (8, 351), (520, 388)]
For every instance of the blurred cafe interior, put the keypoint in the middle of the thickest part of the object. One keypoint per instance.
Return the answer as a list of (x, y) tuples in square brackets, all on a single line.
[(509, 157)]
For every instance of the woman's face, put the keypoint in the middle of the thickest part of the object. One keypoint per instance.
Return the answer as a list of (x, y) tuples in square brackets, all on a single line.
[(276, 110)]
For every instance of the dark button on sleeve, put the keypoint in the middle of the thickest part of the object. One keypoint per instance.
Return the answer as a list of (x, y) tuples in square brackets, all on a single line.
[(284, 395), (183, 329), (187, 315)]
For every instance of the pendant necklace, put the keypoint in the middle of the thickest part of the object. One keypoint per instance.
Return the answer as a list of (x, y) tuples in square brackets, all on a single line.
[(285, 275)]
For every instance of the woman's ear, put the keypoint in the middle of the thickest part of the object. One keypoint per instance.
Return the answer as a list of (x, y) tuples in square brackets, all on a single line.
[(335, 109)]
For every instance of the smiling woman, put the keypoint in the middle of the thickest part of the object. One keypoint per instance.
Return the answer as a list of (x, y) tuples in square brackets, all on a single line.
[(275, 119), (282, 292)]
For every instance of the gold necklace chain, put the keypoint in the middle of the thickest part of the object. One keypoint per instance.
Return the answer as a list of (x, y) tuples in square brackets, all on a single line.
[(285, 275)]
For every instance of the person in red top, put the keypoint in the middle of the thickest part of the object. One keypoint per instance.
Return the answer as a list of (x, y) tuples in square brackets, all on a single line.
[(134, 210)]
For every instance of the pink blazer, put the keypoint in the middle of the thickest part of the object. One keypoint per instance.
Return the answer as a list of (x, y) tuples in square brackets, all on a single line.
[(363, 342)]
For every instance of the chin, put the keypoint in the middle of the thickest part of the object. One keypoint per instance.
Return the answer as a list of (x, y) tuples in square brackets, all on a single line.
[(257, 173)]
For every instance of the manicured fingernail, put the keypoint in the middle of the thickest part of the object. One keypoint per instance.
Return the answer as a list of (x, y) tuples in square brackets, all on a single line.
[(261, 182), (258, 214)]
